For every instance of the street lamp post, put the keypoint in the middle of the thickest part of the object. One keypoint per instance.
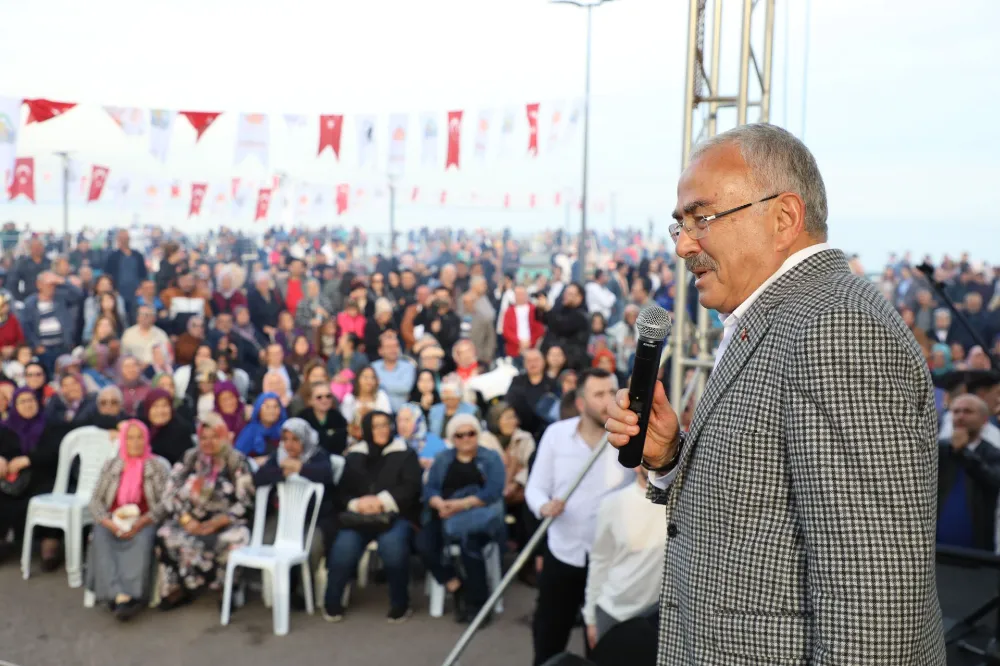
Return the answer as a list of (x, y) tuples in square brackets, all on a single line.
[(65, 156), (582, 251), (392, 215)]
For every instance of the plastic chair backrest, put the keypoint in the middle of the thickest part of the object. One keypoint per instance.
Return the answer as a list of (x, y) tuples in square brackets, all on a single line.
[(294, 497), (94, 447), (242, 382), (259, 515)]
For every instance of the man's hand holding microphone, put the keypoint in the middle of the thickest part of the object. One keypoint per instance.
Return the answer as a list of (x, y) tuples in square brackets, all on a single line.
[(662, 432)]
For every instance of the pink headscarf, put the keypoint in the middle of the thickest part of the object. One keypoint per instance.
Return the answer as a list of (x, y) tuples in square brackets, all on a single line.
[(130, 487)]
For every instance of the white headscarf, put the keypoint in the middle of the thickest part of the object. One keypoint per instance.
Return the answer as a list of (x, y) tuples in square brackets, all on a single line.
[(305, 434)]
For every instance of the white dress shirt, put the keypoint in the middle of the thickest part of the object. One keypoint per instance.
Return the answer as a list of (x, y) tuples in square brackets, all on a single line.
[(626, 561), (731, 321), (561, 455), (521, 313)]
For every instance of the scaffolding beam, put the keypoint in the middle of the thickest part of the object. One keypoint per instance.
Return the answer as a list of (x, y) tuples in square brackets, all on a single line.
[(703, 98)]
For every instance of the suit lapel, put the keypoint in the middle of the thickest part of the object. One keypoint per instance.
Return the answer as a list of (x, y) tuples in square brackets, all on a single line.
[(748, 335), (750, 332)]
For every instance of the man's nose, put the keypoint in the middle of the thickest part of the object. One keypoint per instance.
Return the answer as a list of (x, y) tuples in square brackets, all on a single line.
[(687, 246)]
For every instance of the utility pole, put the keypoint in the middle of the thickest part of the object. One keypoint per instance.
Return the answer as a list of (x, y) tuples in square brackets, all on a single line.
[(65, 194), (392, 216)]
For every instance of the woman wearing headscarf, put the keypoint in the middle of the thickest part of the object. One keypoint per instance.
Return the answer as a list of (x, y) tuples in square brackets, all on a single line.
[(30, 455), (326, 419), (133, 385), (205, 511), (71, 404), (262, 433), (229, 405), (182, 406), (411, 426), (380, 488), (228, 296), (169, 432), (464, 500), (300, 453), (941, 360), (119, 559)]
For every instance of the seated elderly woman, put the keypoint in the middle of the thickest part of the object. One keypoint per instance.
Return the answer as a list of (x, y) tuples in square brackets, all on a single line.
[(464, 499), (262, 433), (29, 456), (381, 490), (119, 561), (300, 453), (451, 405), (206, 511), (108, 411), (169, 432)]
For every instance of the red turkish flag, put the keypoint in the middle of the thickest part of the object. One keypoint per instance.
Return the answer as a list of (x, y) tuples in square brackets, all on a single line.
[(40, 110), (531, 200), (415, 194), (454, 138), (175, 190), (98, 176), (263, 204), (506, 200), (200, 120), (330, 129), (197, 196), (343, 197), (533, 129), (24, 178)]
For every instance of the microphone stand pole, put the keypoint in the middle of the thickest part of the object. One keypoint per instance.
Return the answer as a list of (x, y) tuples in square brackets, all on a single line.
[(928, 272), (522, 558)]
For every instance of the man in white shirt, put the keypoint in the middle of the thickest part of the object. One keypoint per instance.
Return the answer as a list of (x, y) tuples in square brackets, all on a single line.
[(564, 450), (139, 340), (626, 560), (599, 297)]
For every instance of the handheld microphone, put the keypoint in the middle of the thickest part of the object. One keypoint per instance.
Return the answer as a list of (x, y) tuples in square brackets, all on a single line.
[(653, 326)]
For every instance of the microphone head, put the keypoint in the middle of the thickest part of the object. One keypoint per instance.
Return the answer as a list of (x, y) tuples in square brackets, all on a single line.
[(653, 323)]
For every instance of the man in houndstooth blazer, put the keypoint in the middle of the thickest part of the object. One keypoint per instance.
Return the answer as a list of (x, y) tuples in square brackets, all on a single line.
[(801, 504)]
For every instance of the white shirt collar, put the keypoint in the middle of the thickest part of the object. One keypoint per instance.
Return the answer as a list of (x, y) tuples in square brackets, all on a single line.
[(729, 320)]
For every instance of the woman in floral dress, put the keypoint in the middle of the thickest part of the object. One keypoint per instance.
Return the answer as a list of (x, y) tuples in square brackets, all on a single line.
[(206, 511)]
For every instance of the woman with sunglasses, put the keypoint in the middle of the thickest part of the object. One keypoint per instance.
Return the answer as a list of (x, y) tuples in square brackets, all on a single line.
[(325, 419), (464, 500)]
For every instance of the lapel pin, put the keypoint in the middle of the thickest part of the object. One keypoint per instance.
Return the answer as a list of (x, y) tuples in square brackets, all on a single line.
[(743, 334)]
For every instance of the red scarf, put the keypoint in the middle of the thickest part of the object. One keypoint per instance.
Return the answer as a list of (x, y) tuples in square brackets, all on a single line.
[(467, 372)]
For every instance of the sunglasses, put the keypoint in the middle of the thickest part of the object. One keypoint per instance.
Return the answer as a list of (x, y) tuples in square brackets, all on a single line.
[(108, 402), (469, 434)]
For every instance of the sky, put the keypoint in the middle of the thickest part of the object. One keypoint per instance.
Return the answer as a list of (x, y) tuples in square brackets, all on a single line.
[(896, 100)]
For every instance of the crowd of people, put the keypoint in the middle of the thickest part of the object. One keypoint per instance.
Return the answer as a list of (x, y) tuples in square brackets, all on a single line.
[(444, 393)]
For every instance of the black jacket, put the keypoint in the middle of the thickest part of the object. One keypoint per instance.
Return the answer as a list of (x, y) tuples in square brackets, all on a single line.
[(55, 410), (172, 440), (333, 433), (264, 312), (395, 472), (982, 469)]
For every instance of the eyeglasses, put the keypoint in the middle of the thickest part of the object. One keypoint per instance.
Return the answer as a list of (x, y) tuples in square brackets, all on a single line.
[(468, 434), (697, 227), (108, 403)]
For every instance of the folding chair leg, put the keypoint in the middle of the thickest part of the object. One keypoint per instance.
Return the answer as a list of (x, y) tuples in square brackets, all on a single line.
[(494, 572), (227, 594), (267, 588), (282, 601), (73, 538)]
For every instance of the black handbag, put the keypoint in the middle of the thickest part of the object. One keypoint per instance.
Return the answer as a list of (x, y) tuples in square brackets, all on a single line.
[(15, 487), (372, 522)]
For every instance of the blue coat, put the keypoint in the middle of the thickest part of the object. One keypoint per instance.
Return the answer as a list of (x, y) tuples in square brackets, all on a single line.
[(435, 417), (486, 519), (29, 321)]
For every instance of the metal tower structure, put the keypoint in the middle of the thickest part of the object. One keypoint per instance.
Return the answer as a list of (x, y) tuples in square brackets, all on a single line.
[(703, 98)]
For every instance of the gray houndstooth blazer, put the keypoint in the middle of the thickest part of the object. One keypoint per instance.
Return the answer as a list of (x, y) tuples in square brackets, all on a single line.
[(801, 522)]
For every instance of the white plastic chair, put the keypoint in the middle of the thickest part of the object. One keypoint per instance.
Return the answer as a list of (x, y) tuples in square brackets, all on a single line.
[(291, 547), (494, 574), (62, 510)]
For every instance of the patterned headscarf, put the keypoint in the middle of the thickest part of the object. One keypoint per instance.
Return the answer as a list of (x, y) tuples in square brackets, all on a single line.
[(305, 434), (417, 440)]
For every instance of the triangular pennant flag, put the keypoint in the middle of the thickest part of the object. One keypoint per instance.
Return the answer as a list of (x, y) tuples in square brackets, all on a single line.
[(200, 120), (40, 110), (161, 129), (253, 138), (132, 120)]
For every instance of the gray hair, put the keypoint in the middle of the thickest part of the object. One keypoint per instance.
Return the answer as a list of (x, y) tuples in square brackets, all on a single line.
[(451, 387), (943, 312), (111, 391), (779, 162)]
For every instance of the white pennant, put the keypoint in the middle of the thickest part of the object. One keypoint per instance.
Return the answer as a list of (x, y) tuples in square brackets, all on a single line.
[(366, 140), (161, 129), (10, 125), (132, 120), (483, 128), (507, 131), (253, 138), (429, 141), (398, 129)]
